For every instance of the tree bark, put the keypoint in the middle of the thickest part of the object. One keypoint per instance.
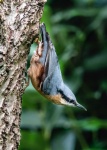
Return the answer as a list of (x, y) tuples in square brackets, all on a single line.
[(19, 23)]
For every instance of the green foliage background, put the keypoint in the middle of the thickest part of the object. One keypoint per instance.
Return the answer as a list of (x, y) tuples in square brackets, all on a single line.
[(79, 32)]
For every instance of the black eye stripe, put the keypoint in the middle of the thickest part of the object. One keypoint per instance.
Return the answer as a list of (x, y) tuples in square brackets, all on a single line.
[(67, 98), (70, 100)]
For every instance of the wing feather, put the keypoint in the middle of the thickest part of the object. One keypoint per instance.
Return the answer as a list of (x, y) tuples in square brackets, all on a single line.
[(52, 71)]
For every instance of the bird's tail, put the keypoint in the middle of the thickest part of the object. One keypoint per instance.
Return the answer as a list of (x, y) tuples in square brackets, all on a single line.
[(44, 38)]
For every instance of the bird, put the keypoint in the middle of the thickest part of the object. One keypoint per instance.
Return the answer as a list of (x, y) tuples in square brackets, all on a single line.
[(45, 73)]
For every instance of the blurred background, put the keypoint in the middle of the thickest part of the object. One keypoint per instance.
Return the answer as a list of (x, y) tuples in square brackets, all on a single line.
[(79, 32)]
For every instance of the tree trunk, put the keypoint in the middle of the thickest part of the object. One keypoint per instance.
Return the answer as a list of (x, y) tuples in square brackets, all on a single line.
[(19, 23)]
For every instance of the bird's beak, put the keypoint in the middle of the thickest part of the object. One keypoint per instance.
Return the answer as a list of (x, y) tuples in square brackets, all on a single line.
[(80, 106)]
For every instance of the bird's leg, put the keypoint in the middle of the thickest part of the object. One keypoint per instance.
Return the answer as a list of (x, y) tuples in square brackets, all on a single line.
[(38, 52)]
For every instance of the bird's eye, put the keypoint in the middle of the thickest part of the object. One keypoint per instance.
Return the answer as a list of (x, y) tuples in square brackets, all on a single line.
[(71, 100), (67, 98)]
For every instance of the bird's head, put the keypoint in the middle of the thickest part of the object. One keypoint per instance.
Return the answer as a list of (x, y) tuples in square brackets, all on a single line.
[(68, 98)]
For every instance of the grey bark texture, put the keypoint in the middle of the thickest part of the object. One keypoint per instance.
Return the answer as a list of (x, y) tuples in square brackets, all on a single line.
[(19, 23)]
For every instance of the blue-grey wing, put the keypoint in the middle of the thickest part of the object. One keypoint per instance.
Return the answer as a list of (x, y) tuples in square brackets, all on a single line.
[(49, 58), (52, 74), (52, 82), (52, 70)]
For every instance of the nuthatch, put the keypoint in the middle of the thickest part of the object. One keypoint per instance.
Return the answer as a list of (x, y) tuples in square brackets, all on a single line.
[(45, 73)]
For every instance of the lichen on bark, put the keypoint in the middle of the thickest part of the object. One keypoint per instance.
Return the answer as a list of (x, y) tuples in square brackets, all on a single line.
[(19, 23)]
